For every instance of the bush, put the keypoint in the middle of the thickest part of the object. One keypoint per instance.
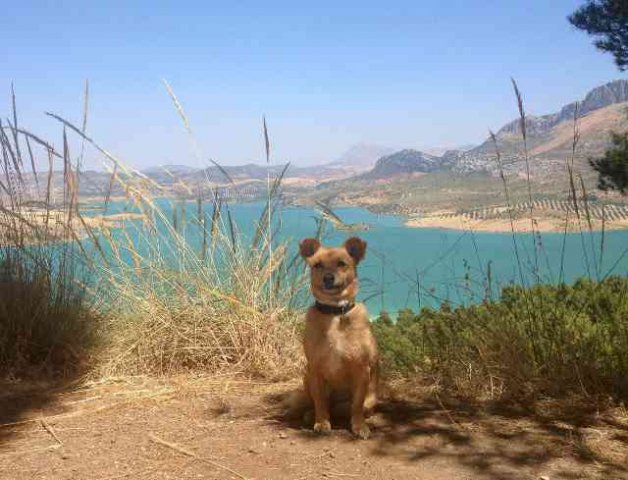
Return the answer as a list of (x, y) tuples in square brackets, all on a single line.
[(45, 325), (545, 339)]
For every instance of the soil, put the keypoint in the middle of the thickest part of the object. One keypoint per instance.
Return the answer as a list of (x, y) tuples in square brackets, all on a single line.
[(227, 428)]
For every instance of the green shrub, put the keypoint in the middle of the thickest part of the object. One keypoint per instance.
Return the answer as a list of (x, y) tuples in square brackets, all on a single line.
[(545, 339)]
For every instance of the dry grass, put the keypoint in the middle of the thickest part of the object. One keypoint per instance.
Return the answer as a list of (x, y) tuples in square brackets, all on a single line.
[(167, 303), (46, 325)]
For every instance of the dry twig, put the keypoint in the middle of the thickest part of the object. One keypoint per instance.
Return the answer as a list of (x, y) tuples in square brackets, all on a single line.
[(187, 453), (50, 430)]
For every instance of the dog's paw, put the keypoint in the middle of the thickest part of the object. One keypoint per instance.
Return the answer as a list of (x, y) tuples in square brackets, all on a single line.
[(361, 430), (323, 427)]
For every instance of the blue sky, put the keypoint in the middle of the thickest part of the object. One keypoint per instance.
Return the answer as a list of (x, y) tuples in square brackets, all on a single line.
[(327, 75)]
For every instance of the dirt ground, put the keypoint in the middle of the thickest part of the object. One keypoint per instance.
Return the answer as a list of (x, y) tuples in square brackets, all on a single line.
[(223, 428)]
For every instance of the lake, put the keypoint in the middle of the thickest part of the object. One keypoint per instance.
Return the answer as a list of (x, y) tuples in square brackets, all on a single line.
[(410, 268)]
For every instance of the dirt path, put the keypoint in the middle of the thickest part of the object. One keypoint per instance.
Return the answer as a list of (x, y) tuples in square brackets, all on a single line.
[(225, 429)]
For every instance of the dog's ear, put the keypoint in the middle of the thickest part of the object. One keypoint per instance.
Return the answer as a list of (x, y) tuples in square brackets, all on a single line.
[(356, 248), (308, 247)]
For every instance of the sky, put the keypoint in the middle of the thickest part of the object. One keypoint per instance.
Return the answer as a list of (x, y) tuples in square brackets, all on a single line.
[(327, 75)]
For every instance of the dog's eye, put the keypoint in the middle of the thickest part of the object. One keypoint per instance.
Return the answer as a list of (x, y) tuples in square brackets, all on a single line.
[(318, 265), (341, 264)]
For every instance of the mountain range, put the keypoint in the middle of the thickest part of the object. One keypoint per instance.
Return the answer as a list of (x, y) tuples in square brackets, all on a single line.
[(406, 161), (411, 181), (600, 97), (549, 142), (550, 138)]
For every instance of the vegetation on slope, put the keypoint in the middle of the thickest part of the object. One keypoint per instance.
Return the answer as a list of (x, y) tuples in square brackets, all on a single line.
[(543, 340)]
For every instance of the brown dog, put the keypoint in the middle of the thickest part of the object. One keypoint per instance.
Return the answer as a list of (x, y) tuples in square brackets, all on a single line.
[(340, 349)]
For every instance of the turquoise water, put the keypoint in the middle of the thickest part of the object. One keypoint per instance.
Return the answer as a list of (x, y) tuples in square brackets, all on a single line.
[(450, 265)]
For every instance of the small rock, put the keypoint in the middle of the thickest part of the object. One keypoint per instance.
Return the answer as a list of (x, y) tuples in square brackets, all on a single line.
[(332, 455), (544, 477), (283, 435), (253, 450)]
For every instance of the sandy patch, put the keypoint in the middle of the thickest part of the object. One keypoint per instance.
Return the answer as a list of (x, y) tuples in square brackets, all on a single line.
[(520, 225), (38, 226)]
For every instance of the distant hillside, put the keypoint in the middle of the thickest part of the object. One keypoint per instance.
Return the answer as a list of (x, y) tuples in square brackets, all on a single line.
[(440, 151), (600, 97), (468, 179), (403, 162), (549, 140), (226, 174), (550, 137), (168, 174), (171, 169)]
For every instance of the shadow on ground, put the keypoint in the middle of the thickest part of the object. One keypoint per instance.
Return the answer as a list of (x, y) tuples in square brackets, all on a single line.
[(47, 334), (494, 440), (24, 402)]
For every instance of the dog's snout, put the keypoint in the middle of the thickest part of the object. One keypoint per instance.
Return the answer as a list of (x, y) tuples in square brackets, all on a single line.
[(329, 280)]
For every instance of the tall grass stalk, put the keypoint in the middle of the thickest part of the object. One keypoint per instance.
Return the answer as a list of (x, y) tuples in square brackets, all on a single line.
[(47, 326), (269, 218), (163, 307), (524, 136)]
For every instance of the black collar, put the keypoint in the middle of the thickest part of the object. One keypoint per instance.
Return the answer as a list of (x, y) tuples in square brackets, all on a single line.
[(333, 309)]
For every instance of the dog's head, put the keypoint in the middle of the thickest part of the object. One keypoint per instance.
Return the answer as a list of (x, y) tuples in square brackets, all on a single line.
[(334, 276)]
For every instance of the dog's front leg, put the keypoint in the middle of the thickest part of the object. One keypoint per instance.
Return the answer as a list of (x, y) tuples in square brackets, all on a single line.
[(361, 378), (321, 403)]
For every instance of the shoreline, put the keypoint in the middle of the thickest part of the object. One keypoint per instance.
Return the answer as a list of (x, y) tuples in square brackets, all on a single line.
[(40, 227), (542, 224), (441, 219), (545, 220)]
